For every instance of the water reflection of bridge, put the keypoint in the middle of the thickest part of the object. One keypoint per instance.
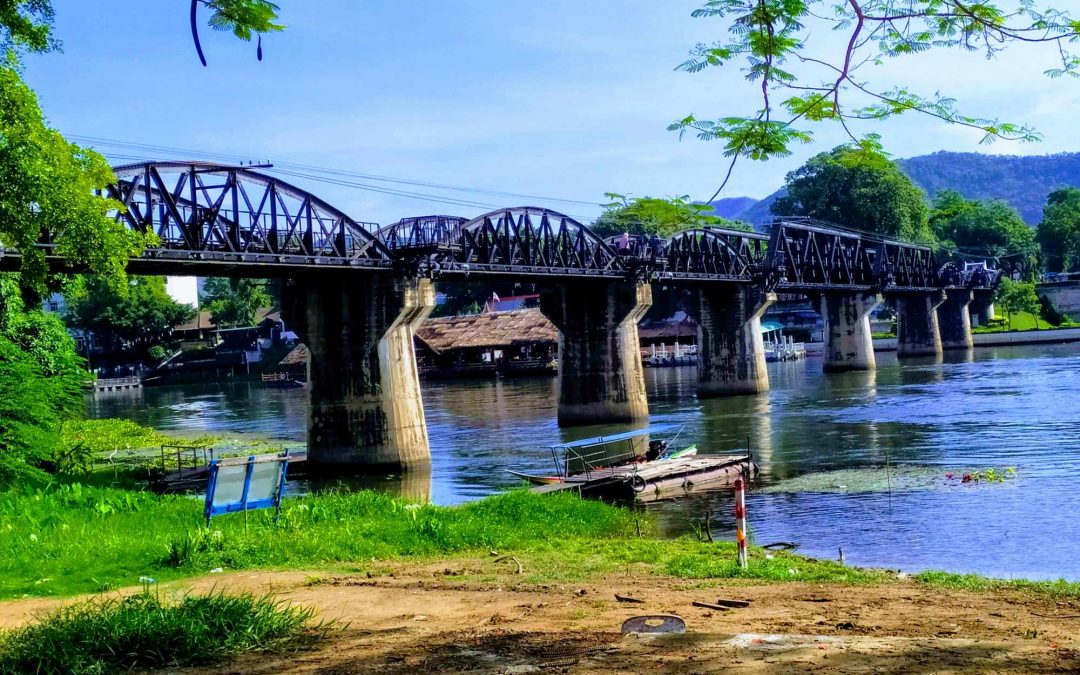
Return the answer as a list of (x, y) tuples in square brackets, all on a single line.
[(356, 293)]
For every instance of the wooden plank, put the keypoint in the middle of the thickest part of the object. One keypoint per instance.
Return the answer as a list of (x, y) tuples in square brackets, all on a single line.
[(554, 487)]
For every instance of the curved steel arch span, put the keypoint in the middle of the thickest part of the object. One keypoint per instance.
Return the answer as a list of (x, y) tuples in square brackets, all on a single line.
[(535, 240), (208, 214), (716, 253)]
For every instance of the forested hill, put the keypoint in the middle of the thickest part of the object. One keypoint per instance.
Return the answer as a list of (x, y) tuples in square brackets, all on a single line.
[(1023, 182), (731, 207)]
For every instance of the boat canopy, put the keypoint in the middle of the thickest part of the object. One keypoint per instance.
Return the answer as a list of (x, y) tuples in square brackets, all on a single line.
[(613, 438)]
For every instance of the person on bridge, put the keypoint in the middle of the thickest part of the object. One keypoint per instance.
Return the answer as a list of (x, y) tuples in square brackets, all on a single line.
[(624, 243), (656, 245)]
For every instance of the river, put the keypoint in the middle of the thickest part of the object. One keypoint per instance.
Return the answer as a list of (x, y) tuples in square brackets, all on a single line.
[(858, 460)]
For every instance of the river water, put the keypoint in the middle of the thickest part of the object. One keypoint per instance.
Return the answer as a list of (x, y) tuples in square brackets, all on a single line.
[(858, 460)]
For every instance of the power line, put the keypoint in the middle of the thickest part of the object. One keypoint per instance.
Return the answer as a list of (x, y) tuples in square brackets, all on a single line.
[(452, 201), (130, 145)]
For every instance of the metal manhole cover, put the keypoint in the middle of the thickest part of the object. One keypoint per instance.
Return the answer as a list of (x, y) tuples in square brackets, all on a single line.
[(654, 623)]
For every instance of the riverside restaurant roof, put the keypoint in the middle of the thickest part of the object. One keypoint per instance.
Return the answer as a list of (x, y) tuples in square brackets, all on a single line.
[(498, 329)]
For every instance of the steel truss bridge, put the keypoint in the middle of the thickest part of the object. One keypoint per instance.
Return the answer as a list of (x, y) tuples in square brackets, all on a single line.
[(220, 220)]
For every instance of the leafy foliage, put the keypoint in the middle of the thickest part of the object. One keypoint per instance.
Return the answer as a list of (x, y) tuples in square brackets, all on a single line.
[(802, 85), (42, 379), (27, 24), (141, 313), (1018, 296), (243, 17), (235, 302), (968, 229), (49, 186), (1059, 231), (858, 189), (652, 215)]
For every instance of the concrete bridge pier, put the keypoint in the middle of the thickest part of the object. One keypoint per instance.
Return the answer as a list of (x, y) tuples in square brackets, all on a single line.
[(600, 373), (731, 353), (849, 344), (917, 332), (982, 307), (954, 319), (366, 413)]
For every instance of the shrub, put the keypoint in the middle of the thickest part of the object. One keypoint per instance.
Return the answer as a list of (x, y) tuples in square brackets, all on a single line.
[(143, 631), (1049, 312)]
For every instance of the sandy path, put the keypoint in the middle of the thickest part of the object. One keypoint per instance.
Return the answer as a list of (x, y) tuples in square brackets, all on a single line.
[(422, 619)]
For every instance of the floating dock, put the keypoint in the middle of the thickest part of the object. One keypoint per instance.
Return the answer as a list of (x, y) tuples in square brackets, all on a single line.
[(656, 479), (117, 384), (194, 478)]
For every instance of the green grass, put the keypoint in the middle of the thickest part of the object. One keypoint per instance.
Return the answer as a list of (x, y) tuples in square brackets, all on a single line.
[(143, 631), (69, 539), (981, 584), (1020, 321), (73, 538), (685, 557)]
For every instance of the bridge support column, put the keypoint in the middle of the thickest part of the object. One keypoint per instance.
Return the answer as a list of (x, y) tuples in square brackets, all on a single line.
[(954, 319), (731, 353), (917, 332), (982, 307), (600, 373), (848, 342), (365, 412)]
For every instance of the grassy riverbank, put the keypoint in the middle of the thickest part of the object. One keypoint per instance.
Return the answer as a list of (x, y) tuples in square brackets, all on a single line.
[(70, 539)]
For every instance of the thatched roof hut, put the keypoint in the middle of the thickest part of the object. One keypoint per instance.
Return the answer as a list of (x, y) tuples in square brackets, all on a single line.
[(485, 331), (499, 330)]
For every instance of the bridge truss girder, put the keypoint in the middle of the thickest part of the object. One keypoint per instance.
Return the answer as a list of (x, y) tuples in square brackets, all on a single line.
[(208, 216), (217, 219)]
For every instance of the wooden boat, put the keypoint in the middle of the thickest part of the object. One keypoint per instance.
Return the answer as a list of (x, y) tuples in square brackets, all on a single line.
[(661, 480), (536, 480), (281, 381), (620, 451)]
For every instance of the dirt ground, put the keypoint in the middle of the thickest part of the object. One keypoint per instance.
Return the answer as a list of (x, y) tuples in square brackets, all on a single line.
[(440, 618)]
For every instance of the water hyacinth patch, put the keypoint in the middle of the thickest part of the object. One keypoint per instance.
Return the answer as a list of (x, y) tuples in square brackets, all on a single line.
[(990, 475)]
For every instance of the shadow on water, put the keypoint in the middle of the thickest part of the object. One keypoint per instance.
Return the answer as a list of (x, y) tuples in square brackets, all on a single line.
[(811, 433)]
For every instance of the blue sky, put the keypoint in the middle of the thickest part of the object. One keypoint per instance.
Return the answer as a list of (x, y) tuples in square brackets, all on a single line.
[(550, 98)]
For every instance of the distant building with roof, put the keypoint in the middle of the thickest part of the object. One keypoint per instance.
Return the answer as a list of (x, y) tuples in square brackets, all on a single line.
[(513, 342)]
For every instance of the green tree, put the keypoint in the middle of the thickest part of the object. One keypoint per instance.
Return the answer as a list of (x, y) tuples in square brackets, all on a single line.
[(983, 229), (1059, 232), (234, 303), (26, 25), (1018, 296), (50, 184), (42, 379), (805, 78), (141, 315), (860, 190), (651, 215)]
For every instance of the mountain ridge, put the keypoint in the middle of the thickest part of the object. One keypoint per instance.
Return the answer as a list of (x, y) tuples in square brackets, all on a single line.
[(1022, 181)]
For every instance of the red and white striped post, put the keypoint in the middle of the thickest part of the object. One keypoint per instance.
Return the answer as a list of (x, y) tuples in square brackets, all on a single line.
[(740, 520)]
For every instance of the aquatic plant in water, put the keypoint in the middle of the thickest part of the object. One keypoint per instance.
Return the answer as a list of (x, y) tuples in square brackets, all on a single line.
[(989, 475)]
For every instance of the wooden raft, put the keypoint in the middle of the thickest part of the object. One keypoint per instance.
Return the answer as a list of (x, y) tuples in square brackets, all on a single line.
[(653, 478)]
